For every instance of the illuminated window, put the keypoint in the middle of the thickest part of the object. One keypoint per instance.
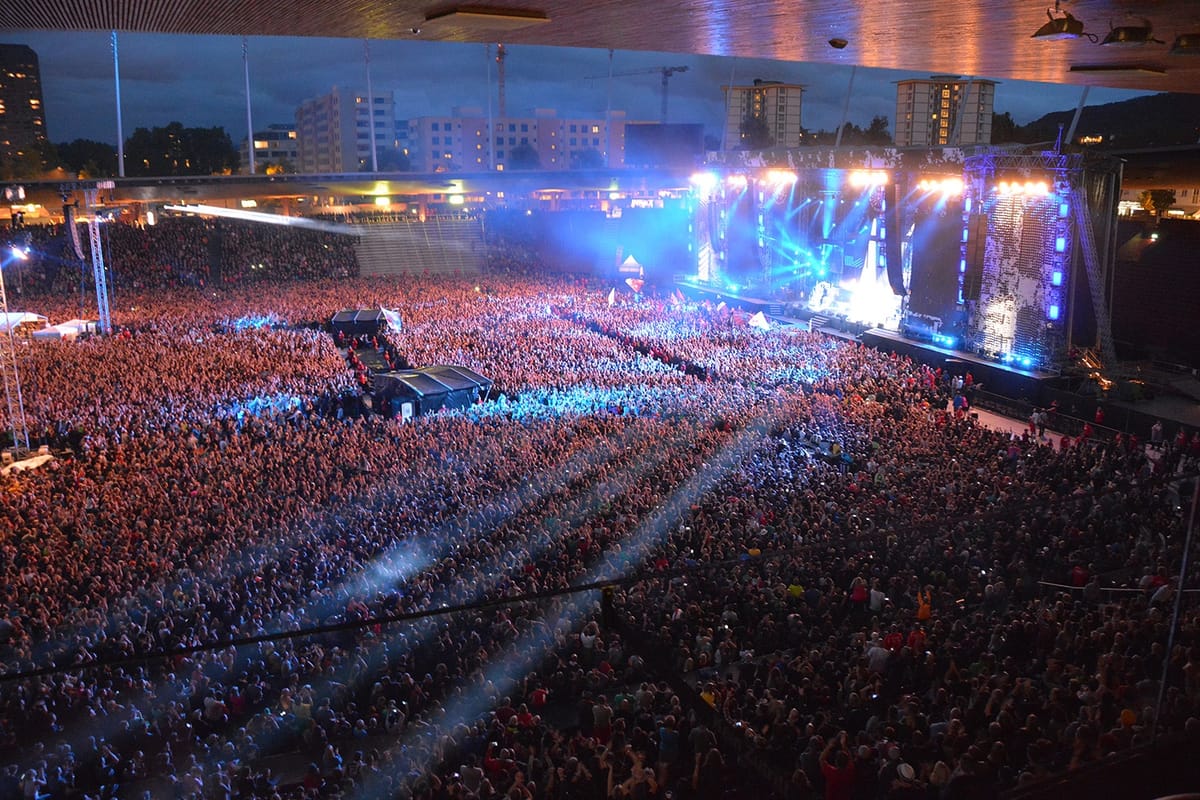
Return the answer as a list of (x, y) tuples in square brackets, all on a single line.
[(595, 129)]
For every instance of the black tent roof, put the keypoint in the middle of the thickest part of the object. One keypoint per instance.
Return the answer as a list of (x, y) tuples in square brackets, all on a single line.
[(358, 315), (458, 377), (434, 380)]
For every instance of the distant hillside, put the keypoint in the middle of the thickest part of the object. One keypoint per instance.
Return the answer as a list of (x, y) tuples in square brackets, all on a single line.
[(1156, 121)]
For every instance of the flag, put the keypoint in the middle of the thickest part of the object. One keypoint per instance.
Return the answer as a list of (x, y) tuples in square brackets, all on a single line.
[(612, 296), (636, 284), (759, 321), (393, 319)]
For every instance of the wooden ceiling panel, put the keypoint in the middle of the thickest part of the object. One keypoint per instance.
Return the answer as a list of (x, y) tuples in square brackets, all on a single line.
[(990, 38)]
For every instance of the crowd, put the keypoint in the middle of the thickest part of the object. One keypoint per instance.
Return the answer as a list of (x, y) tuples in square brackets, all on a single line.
[(786, 623), (178, 251)]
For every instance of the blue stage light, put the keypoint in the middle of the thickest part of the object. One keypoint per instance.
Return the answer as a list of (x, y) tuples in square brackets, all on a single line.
[(1053, 312)]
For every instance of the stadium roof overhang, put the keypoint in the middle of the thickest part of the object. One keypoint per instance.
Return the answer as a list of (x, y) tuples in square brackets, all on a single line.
[(992, 39)]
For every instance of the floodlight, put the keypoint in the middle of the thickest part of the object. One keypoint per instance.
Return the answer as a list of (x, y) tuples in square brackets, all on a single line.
[(1186, 44), (1061, 25), (1131, 35)]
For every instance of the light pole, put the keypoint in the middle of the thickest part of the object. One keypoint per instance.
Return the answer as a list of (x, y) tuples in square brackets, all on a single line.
[(1179, 590)]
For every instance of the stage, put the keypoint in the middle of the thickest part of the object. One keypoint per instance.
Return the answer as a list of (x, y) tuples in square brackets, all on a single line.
[(1003, 379)]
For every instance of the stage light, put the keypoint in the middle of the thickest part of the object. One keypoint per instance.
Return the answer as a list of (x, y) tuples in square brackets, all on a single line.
[(704, 181), (20, 254), (1053, 314), (1064, 209), (1060, 244), (383, 201), (861, 178), (1026, 362), (949, 187), (737, 181), (781, 177), (1056, 278)]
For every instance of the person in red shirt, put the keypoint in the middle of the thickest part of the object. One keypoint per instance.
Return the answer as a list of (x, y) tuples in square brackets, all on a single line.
[(838, 773)]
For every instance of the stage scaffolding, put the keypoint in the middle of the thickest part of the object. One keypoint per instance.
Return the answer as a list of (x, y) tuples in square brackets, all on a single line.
[(1030, 221)]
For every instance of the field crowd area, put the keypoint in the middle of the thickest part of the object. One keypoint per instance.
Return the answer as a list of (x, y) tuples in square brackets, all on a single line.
[(827, 584)]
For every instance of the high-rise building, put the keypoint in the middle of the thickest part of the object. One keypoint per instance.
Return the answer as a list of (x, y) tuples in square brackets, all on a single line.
[(762, 114), (944, 110), (334, 131), (462, 141), (277, 146), (22, 117)]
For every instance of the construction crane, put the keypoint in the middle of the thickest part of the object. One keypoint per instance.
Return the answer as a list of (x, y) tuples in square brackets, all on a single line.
[(500, 55), (666, 73)]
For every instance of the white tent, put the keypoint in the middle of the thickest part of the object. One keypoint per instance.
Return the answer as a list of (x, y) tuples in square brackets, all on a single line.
[(17, 318), (68, 330)]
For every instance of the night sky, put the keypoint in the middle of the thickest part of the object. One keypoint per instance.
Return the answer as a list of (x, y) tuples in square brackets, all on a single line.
[(198, 80)]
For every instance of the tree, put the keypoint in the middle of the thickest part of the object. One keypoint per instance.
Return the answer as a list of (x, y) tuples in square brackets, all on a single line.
[(755, 134), (88, 159), (392, 159), (523, 156), (1005, 129), (1157, 201), (279, 166), (852, 134), (25, 166), (176, 150), (591, 158), (877, 132), (29, 164)]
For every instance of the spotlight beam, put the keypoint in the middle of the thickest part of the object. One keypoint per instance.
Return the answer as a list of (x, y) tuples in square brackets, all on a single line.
[(259, 216)]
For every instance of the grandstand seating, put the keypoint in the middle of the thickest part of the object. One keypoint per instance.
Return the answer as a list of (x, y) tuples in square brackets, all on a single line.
[(437, 246)]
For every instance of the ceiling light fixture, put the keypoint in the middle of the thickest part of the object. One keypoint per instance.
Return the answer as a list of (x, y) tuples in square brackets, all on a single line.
[(1131, 35), (1061, 25), (492, 18), (1149, 69), (1186, 44)]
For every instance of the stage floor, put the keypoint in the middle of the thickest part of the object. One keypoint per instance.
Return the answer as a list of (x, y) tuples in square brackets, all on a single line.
[(967, 358)]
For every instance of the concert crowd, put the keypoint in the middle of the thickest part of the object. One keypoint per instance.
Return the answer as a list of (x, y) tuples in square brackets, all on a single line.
[(824, 581)]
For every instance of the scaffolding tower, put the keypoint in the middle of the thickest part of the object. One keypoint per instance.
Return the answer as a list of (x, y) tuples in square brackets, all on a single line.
[(13, 398)]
